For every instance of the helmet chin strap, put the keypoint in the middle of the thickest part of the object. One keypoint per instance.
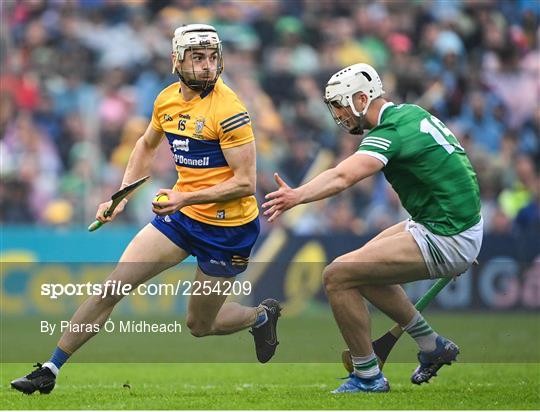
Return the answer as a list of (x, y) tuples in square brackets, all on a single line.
[(364, 112), (360, 118)]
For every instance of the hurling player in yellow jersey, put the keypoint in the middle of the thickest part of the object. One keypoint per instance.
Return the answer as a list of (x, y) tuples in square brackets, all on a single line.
[(211, 212)]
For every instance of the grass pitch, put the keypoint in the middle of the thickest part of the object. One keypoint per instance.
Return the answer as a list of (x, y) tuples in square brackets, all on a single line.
[(499, 368), (273, 386), (314, 338)]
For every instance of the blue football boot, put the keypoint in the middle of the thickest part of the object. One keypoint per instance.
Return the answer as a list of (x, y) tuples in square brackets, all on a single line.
[(357, 384), (430, 362)]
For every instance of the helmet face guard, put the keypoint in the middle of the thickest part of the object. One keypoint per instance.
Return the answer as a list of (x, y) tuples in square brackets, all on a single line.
[(199, 80), (351, 123), (193, 38)]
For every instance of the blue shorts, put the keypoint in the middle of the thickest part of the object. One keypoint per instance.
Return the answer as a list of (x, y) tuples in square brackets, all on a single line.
[(220, 250)]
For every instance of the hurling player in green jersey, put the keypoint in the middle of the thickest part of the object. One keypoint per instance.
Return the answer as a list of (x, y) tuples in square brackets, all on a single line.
[(429, 170)]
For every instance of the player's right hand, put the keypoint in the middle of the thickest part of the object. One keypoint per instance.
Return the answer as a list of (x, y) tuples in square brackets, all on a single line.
[(281, 200), (103, 207)]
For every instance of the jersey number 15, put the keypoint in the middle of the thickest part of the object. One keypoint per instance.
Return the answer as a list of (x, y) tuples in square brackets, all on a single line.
[(440, 133)]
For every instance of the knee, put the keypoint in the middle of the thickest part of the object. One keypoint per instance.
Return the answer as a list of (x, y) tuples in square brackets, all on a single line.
[(198, 328), (331, 280), (343, 274)]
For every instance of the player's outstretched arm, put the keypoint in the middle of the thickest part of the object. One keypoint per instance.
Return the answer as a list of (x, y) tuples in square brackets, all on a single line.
[(241, 159), (138, 166), (332, 181)]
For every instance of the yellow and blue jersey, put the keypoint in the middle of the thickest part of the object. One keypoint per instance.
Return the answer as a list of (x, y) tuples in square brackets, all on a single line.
[(197, 132)]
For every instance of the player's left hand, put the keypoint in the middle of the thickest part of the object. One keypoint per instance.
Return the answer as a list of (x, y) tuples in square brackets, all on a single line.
[(281, 200), (177, 200)]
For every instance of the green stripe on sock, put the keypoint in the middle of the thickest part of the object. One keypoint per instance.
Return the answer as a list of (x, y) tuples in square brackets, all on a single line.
[(416, 332), (418, 326), (368, 365), (428, 332), (421, 332), (421, 322)]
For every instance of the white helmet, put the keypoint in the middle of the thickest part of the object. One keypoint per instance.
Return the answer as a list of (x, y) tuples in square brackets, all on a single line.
[(344, 84), (196, 36)]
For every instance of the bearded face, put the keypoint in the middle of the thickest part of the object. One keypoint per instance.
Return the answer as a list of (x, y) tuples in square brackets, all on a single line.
[(201, 67), (345, 118)]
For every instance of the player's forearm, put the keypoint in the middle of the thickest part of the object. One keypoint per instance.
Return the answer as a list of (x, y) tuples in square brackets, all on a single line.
[(327, 184), (140, 162), (233, 188)]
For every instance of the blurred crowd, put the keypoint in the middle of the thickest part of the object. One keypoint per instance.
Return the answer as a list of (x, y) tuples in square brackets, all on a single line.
[(79, 77)]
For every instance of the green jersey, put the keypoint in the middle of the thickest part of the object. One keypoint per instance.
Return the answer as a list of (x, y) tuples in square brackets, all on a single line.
[(427, 167)]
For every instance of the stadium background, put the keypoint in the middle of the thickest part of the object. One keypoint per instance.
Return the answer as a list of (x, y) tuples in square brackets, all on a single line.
[(78, 81)]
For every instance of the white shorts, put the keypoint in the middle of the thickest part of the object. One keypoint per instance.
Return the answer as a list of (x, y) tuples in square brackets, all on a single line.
[(447, 256)]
